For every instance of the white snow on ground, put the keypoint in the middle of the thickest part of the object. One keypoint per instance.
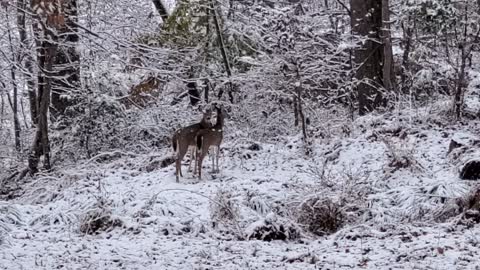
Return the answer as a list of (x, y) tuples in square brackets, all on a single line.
[(168, 225)]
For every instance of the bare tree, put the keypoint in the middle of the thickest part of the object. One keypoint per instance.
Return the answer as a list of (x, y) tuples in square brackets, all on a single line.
[(25, 53), (465, 47), (50, 19), (223, 50), (13, 73)]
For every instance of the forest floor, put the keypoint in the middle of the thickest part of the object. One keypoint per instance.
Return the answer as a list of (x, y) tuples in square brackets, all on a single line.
[(391, 174)]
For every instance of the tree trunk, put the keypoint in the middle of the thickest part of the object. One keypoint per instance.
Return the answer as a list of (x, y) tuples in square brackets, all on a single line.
[(192, 89), (206, 90), (2, 107), (460, 85), (47, 42), (41, 144), (66, 65), (366, 22), (406, 54), (388, 64), (14, 102), (162, 10), (22, 31), (223, 50), (16, 121)]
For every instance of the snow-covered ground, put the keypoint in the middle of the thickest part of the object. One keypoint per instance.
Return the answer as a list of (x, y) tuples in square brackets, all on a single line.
[(156, 223)]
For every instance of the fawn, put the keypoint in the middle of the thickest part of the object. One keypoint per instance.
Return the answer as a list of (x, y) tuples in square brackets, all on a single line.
[(208, 138), (184, 138)]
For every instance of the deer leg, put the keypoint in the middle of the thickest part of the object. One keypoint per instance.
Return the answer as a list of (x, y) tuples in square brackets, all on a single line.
[(217, 156), (192, 153), (201, 155), (182, 150), (195, 161), (212, 157)]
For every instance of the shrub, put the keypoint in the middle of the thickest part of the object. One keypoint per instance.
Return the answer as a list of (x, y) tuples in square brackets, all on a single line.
[(320, 216)]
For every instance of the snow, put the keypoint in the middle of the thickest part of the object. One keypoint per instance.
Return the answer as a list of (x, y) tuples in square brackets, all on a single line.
[(168, 225), (390, 172)]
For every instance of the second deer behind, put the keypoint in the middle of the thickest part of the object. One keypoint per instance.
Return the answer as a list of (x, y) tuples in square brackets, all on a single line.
[(210, 138)]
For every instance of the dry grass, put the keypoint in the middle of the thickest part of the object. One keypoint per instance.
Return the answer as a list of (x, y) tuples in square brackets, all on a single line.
[(320, 216)]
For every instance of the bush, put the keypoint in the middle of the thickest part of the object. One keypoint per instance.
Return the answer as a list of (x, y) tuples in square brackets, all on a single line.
[(320, 216), (466, 209), (99, 218), (8, 216), (223, 209), (272, 228)]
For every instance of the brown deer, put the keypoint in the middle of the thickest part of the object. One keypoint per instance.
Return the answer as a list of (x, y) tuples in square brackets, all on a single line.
[(210, 138), (184, 138)]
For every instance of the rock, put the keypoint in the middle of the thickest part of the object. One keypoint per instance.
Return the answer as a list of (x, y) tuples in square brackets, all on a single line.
[(255, 147), (464, 151), (462, 140), (159, 163), (471, 170)]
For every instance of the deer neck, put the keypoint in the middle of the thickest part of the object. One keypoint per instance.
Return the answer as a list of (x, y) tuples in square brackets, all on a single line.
[(219, 123), (205, 124)]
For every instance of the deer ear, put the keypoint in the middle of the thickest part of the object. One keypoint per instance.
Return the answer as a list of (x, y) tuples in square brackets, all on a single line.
[(203, 109), (214, 105)]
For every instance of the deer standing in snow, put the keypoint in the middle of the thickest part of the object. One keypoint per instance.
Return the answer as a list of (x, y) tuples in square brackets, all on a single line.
[(210, 138), (184, 138)]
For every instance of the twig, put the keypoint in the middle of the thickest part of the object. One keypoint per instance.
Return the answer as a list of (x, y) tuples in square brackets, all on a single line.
[(105, 154), (345, 7)]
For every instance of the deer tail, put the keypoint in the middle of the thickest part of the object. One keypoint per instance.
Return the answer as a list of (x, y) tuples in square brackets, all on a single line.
[(199, 141), (174, 143)]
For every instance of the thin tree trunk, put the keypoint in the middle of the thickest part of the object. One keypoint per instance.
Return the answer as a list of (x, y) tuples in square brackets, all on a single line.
[(388, 69), (25, 122), (223, 50), (301, 114), (461, 84), (2, 108), (295, 110), (16, 122), (406, 54), (22, 31), (162, 10), (192, 89), (465, 51), (206, 90)]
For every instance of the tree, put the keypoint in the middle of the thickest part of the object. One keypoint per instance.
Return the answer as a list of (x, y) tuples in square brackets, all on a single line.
[(25, 53), (49, 18), (66, 64), (13, 73), (366, 23), (161, 9), (388, 64)]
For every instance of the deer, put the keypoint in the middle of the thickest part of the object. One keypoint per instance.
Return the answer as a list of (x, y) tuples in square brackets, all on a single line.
[(184, 138), (210, 138)]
